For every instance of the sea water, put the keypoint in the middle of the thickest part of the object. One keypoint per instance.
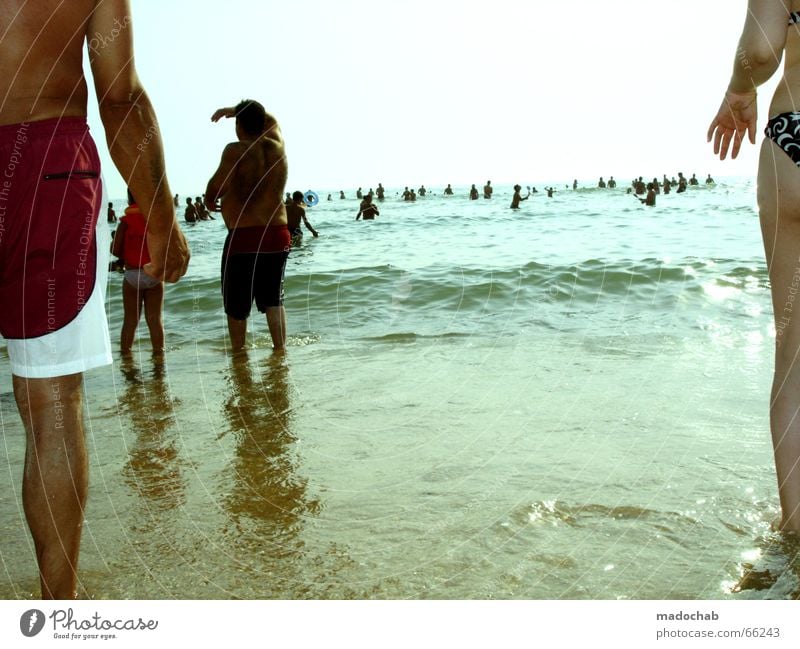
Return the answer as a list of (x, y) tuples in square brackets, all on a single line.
[(569, 400)]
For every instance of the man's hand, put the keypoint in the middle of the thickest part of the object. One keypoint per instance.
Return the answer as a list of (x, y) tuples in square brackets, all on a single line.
[(169, 254), (736, 116), (223, 112)]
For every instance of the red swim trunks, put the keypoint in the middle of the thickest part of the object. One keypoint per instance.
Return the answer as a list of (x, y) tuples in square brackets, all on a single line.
[(50, 198), (275, 238)]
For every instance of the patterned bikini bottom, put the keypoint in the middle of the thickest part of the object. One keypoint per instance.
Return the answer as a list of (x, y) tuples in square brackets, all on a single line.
[(784, 130)]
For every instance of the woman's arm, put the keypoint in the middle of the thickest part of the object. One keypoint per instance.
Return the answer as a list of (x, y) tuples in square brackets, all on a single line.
[(757, 58)]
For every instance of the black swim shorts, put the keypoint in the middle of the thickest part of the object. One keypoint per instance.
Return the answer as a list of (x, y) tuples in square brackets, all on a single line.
[(252, 276)]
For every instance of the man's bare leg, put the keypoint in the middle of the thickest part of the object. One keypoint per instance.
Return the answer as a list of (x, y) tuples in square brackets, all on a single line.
[(55, 478), (237, 330), (276, 321), (779, 208)]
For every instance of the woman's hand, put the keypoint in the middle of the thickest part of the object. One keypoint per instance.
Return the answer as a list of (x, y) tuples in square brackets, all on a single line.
[(736, 116)]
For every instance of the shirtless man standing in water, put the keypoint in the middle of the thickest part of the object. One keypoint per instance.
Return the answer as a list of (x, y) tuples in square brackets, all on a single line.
[(51, 247), (295, 214), (249, 183)]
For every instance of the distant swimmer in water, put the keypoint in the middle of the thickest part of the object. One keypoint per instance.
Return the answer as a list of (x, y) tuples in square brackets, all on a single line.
[(175, 201), (666, 184), (111, 215), (473, 193), (550, 191), (602, 183), (190, 214), (359, 194), (693, 180), (575, 184), (367, 210), (448, 190), (202, 213), (650, 200), (380, 192), (295, 213), (709, 180), (422, 191), (534, 191), (612, 184), (341, 194), (487, 189), (518, 198), (330, 198)]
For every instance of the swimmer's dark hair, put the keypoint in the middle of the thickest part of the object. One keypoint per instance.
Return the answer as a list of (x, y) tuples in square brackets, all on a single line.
[(297, 196), (251, 116)]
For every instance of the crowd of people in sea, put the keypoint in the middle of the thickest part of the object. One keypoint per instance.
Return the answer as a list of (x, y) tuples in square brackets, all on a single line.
[(195, 209), (637, 187)]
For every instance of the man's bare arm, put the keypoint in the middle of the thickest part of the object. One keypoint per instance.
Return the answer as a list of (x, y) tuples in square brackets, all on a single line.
[(308, 225), (220, 182), (133, 137)]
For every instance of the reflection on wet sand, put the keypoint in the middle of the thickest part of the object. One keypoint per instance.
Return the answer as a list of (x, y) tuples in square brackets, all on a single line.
[(267, 497), (154, 467)]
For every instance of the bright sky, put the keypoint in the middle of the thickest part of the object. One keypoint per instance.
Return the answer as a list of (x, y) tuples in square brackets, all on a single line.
[(429, 92)]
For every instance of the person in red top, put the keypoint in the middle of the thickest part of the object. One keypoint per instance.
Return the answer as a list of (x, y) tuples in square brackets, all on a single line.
[(138, 288)]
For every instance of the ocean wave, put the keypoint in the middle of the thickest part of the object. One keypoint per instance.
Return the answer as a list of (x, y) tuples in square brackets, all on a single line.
[(474, 288)]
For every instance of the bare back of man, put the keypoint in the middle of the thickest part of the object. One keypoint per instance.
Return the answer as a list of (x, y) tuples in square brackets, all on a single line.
[(255, 177), (294, 215)]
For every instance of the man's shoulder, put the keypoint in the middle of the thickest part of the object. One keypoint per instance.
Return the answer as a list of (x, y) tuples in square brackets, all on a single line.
[(235, 147), (272, 145)]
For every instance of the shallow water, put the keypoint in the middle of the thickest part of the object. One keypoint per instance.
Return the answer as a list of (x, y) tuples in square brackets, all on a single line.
[(567, 401)]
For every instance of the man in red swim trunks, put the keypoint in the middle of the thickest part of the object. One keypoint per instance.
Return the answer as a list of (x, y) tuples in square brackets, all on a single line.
[(250, 182), (52, 265)]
